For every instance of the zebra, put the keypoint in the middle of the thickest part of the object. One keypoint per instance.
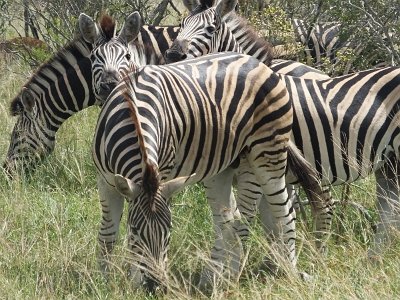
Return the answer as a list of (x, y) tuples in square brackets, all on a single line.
[(320, 41), (61, 87), (48, 98), (333, 118), (58, 89), (148, 138)]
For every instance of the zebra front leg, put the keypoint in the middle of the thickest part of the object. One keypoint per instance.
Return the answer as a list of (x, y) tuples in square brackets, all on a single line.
[(112, 204), (227, 250), (388, 204)]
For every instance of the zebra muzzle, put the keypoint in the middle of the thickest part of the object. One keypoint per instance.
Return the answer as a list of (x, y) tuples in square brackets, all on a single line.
[(172, 56), (105, 88)]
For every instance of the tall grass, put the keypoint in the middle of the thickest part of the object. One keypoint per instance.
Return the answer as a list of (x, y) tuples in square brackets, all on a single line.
[(49, 222)]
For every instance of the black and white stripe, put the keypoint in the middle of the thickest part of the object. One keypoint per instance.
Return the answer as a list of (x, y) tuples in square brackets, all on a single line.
[(213, 189)]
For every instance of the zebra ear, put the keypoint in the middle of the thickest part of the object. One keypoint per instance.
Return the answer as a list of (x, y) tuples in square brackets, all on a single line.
[(88, 28), (191, 4), (176, 185), (131, 28), (225, 6), (126, 187), (27, 100)]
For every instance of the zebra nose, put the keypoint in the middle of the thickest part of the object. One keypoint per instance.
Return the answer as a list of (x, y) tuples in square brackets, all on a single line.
[(108, 86), (174, 56)]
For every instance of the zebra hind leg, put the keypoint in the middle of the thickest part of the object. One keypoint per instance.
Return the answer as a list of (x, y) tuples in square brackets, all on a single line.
[(249, 194), (227, 250), (112, 204), (269, 170), (388, 204)]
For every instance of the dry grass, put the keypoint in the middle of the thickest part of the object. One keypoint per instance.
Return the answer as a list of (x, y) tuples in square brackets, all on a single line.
[(48, 231)]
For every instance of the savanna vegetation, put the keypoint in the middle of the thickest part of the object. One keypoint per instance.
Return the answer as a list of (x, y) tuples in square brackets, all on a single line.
[(49, 219)]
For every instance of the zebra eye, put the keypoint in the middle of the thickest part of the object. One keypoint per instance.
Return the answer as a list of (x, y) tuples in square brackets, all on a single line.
[(210, 29), (128, 56), (92, 58)]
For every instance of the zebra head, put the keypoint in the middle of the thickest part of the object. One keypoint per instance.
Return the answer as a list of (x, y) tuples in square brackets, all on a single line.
[(32, 138), (201, 30), (149, 224), (111, 57)]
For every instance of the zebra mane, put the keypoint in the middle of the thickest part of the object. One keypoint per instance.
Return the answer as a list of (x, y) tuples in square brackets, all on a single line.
[(66, 56), (107, 25), (246, 34), (144, 54), (150, 180), (203, 5)]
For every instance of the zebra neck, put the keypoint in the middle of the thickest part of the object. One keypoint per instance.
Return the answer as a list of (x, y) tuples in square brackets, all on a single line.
[(63, 85), (157, 38), (250, 43)]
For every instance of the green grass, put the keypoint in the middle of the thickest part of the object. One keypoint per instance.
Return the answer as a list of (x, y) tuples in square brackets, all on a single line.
[(48, 233)]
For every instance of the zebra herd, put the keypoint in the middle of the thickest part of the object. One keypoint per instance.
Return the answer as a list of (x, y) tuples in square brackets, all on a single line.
[(210, 119)]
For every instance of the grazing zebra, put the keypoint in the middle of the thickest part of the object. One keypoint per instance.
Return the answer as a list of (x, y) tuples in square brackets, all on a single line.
[(62, 87), (347, 127), (190, 121)]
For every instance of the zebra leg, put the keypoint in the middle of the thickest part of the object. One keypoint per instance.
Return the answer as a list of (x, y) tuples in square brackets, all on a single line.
[(270, 174), (112, 204), (269, 170), (227, 250), (266, 216), (249, 193), (387, 189), (323, 220)]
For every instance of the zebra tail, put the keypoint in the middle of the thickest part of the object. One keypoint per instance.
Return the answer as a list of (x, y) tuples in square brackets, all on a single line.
[(307, 176)]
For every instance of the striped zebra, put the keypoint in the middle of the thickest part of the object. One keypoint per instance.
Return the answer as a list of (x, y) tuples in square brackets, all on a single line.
[(322, 40), (164, 127), (60, 88), (347, 127)]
